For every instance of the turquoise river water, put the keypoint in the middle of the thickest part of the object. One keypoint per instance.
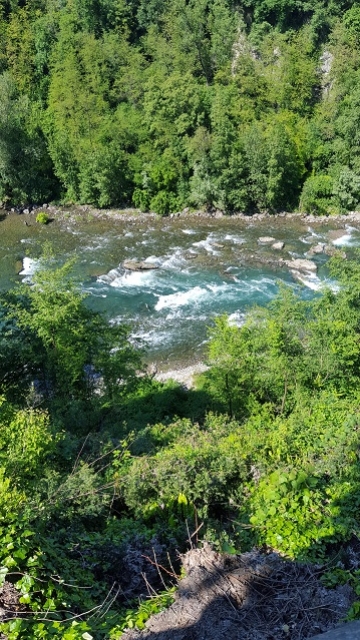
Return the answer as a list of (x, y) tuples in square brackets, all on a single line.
[(206, 267)]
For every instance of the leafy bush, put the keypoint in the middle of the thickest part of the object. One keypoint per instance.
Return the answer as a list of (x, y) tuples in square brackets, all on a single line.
[(42, 217), (316, 194)]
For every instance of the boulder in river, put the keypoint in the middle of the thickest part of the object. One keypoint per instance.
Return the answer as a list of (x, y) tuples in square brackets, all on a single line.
[(300, 264), (316, 249), (278, 246), (298, 276), (336, 234), (133, 265), (266, 240)]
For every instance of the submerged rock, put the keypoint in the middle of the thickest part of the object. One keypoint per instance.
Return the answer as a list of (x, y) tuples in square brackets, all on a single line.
[(266, 240)]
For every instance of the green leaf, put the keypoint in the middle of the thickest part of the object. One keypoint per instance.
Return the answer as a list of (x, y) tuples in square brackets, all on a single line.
[(3, 573)]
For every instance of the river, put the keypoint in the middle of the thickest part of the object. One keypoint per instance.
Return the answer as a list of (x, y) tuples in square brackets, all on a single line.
[(206, 267)]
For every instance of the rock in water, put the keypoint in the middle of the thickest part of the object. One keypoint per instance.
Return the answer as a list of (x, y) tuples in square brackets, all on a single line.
[(316, 249), (278, 246), (336, 234), (266, 240), (133, 265), (300, 264)]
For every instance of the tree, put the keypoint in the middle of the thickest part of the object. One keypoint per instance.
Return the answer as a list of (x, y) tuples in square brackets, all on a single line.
[(25, 167), (69, 351)]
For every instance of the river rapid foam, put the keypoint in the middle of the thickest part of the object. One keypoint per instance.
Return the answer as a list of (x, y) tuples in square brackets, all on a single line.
[(202, 268)]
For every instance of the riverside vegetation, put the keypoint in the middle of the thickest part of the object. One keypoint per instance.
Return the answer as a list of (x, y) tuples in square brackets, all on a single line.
[(244, 105), (102, 467)]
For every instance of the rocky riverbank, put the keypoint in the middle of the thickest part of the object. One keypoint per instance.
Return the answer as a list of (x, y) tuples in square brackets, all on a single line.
[(135, 215), (183, 375)]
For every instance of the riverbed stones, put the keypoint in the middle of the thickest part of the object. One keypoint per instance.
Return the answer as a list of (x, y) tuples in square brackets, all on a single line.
[(133, 265), (266, 240), (278, 246), (300, 264)]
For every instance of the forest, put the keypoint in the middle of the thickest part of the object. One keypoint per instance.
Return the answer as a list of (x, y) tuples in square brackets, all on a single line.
[(239, 105)]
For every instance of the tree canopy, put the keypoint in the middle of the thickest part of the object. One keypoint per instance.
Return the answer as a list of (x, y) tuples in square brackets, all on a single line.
[(242, 105)]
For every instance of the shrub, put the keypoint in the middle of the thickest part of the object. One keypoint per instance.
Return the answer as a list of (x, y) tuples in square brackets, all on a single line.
[(42, 217)]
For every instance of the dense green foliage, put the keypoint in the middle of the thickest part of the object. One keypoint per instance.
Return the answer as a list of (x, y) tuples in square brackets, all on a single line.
[(239, 104), (100, 464)]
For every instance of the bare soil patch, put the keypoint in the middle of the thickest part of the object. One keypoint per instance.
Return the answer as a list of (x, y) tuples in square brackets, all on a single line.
[(253, 596)]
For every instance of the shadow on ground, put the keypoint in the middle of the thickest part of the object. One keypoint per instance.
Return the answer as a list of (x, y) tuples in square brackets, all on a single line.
[(254, 596)]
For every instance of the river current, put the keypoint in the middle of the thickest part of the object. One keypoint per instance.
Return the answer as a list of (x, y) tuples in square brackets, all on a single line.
[(205, 267)]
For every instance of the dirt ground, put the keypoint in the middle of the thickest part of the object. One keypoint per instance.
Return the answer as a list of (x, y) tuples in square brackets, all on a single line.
[(253, 596), (9, 604)]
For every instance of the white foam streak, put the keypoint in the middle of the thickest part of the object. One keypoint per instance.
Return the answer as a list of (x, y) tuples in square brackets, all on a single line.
[(236, 319), (175, 260), (207, 244), (29, 267), (234, 239), (181, 298), (153, 337), (313, 282), (120, 279), (343, 241)]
